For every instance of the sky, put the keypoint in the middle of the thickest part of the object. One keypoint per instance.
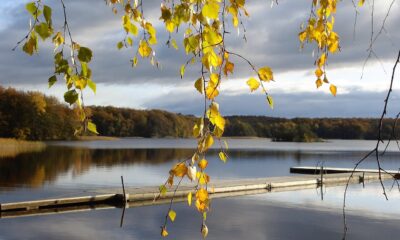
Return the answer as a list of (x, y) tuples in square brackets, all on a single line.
[(272, 40)]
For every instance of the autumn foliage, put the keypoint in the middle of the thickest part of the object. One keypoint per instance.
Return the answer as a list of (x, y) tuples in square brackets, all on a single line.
[(202, 23)]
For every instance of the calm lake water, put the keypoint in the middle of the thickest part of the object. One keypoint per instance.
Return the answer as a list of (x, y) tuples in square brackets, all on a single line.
[(76, 168)]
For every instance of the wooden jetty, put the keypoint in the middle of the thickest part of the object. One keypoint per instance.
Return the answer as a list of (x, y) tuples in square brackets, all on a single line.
[(329, 170), (134, 197)]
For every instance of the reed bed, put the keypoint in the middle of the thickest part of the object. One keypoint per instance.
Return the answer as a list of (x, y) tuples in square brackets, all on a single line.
[(10, 147)]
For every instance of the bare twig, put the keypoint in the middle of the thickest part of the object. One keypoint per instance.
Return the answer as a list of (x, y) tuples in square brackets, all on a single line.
[(374, 36), (374, 151)]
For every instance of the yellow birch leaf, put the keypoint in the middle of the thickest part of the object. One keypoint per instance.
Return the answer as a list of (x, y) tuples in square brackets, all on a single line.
[(31, 46), (226, 56), (318, 72), (202, 195), (199, 85), (163, 190), (135, 61), (226, 145), (198, 127), (58, 39), (204, 231), (152, 32), (144, 49), (218, 132), (361, 3), (253, 84), (189, 199), (170, 180), (209, 141), (174, 44), (211, 10), (270, 101), (214, 110), (92, 128), (203, 164), (192, 171), (211, 58), (172, 215), (120, 45), (222, 156), (211, 92), (214, 78), (318, 82), (164, 232), (182, 70), (228, 68), (201, 206), (179, 170), (321, 60), (234, 12), (333, 89), (334, 46), (170, 26), (302, 36), (219, 121), (265, 74), (203, 178), (129, 41)]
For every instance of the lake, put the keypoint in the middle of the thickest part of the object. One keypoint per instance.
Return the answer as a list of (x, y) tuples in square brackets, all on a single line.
[(72, 168)]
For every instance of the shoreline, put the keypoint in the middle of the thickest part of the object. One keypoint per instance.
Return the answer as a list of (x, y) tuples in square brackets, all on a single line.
[(94, 138)]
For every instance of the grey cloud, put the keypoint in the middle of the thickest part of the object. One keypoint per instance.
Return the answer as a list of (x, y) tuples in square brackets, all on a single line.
[(271, 34), (357, 103), (277, 44), (109, 64)]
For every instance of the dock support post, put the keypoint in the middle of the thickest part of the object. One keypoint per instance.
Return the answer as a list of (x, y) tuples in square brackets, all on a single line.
[(322, 174), (269, 187), (361, 179), (322, 182), (124, 202), (125, 197)]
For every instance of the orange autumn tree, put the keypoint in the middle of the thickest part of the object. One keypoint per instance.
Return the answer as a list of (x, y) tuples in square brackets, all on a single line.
[(202, 23)]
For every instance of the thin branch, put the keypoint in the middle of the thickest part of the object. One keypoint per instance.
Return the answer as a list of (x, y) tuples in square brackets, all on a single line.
[(31, 27), (374, 151)]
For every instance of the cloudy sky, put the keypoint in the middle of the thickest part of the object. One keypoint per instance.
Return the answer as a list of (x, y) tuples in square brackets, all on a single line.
[(271, 40)]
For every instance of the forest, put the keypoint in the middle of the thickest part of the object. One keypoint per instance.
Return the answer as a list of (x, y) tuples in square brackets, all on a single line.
[(34, 116)]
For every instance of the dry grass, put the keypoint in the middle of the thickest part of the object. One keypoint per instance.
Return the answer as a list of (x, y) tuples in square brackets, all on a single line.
[(11, 147)]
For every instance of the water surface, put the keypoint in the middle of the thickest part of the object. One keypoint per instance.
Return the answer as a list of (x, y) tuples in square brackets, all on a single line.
[(71, 168)]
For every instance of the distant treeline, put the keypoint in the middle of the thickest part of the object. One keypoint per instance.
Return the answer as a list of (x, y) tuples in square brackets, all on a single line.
[(307, 129), (33, 116), (125, 122)]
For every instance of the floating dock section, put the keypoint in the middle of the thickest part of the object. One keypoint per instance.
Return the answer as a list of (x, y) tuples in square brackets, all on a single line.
[(330, 170), (134, 197)]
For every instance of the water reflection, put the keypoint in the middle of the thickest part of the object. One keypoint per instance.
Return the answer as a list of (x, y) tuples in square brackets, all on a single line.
[(35, 169), (284, 216), (233, 218), (77, 165)]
